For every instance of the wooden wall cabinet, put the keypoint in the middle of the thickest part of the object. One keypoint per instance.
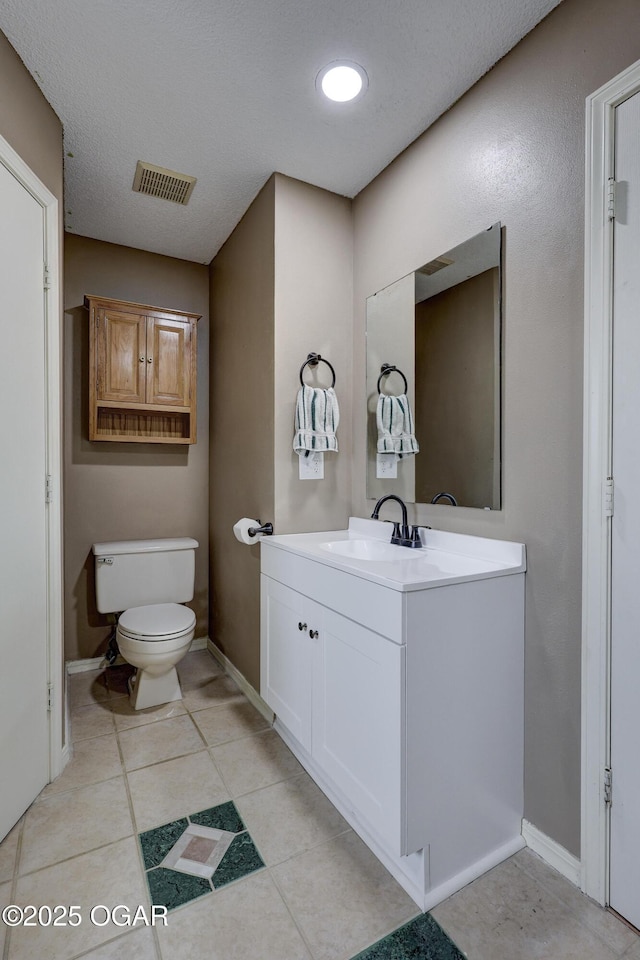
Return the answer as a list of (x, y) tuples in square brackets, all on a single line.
[(142, 385)]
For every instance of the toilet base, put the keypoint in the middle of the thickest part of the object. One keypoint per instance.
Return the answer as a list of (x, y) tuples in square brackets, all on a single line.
[(148, 691)]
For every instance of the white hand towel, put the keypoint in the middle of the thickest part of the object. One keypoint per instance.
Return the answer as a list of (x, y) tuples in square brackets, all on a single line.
[(317, 418), (395, 426)]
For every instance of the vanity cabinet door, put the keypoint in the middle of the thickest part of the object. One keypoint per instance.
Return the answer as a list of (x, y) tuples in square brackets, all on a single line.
[(358, 721), (285, 668)]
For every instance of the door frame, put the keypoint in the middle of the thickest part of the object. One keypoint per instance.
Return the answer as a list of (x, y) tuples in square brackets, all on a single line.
[(597, 466), (58, 741)]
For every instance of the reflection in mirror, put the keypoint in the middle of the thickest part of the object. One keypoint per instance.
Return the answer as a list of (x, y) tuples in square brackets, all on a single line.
[(441, 328)]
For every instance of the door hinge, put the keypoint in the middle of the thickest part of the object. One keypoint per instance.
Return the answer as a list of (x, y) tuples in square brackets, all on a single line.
[(48, 488), (608, 497), (607, 785), (46, 277), (49, 697), (611, 198)]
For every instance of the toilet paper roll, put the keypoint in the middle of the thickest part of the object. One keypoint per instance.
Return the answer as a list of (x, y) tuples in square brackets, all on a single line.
[(241, 530)]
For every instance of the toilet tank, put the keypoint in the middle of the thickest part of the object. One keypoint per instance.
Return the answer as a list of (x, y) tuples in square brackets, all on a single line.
[(133, 573)]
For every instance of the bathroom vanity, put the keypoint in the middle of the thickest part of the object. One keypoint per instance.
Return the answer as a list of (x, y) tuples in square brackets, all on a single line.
[(396, 678)]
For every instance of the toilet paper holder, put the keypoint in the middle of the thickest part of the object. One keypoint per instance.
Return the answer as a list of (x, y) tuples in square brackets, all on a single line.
[(266, 529)]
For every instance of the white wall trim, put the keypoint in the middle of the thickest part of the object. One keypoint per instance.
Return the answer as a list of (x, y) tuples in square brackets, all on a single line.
[(552, 853), (94, 663), (66, 754), (596, 641), (250, 692), (53, 393)]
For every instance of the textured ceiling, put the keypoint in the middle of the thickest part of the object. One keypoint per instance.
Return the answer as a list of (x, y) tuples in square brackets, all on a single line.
[(224, 90)]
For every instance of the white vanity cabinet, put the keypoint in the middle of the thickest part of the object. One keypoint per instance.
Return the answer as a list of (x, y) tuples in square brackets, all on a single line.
[(286, 657), (337, 687), (399, 686)]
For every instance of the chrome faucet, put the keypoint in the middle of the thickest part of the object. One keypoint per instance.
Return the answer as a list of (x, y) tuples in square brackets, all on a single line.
[(402, 536), (445, 496)]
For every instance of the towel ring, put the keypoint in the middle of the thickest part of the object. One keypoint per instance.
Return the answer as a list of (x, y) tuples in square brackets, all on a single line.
[(313, 359), (388, 368)]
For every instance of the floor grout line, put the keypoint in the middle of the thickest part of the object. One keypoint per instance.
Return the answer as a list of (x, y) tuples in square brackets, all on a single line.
[(80, 786), (75, 856), (14, 881), (298, 926), (200, 733), (178, 756), (120, 936), (315, 846)]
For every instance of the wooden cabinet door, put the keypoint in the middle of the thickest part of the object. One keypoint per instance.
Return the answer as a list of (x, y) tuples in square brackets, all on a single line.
[(121, 356), (168, 361)]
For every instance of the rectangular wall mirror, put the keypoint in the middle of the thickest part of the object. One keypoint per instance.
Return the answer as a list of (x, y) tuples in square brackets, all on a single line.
[(440, 327)]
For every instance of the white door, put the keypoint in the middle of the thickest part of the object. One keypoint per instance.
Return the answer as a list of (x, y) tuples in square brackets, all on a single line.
[(24, 727), (625, 557)]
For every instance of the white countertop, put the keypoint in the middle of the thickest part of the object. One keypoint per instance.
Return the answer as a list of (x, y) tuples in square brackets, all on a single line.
[(445, 558)]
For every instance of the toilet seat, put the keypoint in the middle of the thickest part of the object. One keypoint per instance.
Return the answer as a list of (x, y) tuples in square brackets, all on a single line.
[(156, 622)]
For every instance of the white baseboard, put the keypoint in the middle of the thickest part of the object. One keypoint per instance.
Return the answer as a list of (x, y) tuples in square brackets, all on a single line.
[(250, 692), (94, 663), (551, 852), (65, 756)]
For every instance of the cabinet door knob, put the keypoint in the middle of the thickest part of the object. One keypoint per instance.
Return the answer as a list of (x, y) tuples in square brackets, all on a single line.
[(313, 634), (302, 626), (141, 359), (149, 359)]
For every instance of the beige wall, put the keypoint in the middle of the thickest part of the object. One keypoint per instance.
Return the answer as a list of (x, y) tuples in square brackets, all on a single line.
[(28, 122), (242, 431), (512, 150), (313, 314), (122, 491), (281, 288)]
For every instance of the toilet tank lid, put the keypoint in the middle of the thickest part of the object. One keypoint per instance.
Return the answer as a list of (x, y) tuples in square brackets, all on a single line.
[(166, 545)]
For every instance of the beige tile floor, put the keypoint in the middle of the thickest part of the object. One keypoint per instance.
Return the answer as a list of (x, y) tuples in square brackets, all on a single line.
[(321, 896)]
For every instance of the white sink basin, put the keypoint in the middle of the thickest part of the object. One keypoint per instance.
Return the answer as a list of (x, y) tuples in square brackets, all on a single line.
[(376, 550)]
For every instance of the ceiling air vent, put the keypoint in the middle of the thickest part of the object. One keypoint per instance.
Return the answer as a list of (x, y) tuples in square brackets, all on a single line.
[(165, 184), (430, 268)]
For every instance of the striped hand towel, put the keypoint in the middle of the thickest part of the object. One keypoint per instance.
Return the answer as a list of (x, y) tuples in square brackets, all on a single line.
[(317, 418), (395, 426)]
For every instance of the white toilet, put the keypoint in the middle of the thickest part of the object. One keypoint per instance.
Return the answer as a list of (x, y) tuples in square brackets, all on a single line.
[(149, 580)]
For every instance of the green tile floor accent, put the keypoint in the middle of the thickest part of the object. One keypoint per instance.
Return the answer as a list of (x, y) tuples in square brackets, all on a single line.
[(172, 888), (240, 859), (157, 843), (223, 817), (420, 939)]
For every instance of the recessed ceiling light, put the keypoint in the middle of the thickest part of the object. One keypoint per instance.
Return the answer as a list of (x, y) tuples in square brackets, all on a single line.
[(342, 81)]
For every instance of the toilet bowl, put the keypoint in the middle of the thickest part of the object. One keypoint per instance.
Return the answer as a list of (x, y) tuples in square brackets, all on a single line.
[(149, 581), (154, 638)]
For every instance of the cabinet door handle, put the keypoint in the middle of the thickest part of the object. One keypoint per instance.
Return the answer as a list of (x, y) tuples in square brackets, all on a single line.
[(149, 359), (313, 634), (302, 626), (141, 359)]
